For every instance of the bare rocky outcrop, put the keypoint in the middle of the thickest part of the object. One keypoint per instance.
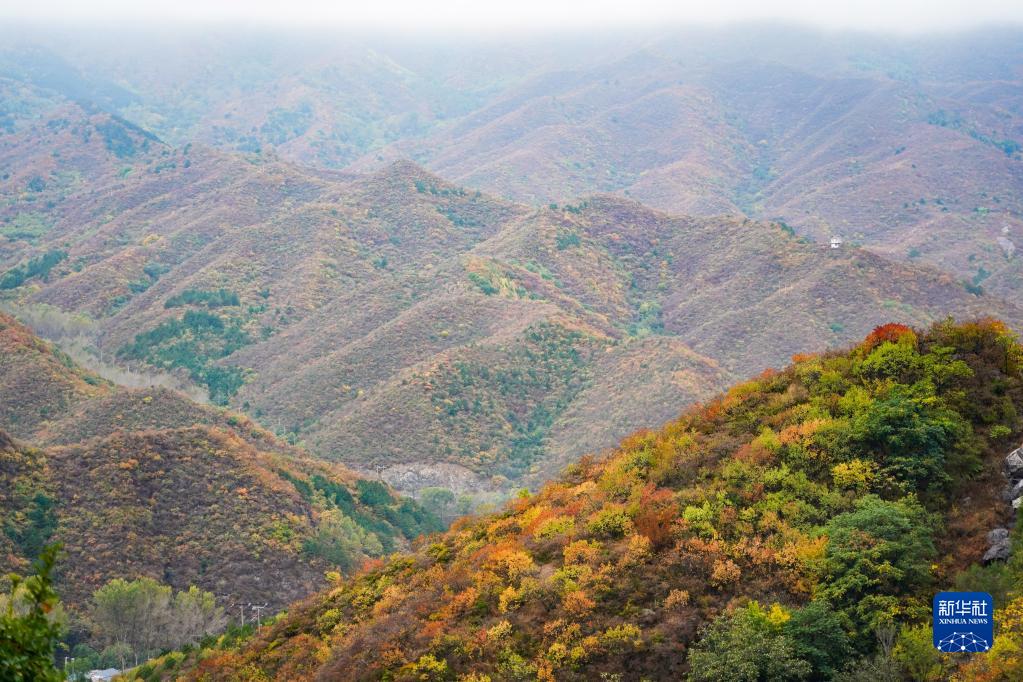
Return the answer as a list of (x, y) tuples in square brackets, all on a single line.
[(411, 477), (999, 545), (1014, 472), (1014, 463), (999, 539)]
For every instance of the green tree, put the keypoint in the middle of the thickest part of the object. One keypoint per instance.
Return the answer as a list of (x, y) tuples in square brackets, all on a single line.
[(915, 652), (910, 437), (340, 540), (137, 619), (440, 501), (897, 361), (748, 645), (133, 614), (818, 636), (28, 631), (876, 557), (373, 493)]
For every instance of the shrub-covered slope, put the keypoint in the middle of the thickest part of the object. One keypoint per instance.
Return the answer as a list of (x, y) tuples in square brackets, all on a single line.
[(37, 382), (477, 334), (913, 148), (770, 533), (147, 483)]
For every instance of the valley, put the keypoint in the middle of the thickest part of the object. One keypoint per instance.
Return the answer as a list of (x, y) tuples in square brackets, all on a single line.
[(677, 352), (473, 332), (145, 482)]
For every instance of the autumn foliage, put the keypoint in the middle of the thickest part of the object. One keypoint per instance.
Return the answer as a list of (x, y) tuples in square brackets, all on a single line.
[(742, 525), (889, 333), (147, 483)]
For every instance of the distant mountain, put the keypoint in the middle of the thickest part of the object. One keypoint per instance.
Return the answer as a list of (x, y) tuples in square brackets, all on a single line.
[(912, 150), (318, 99), (773, 531), (146, 483), (273, 296), (415, 329), (911, 147)]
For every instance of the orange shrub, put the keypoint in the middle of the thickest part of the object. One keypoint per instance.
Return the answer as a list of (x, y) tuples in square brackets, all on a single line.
[(892, 332)]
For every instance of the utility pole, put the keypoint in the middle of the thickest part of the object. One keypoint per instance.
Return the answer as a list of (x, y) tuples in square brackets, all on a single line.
[(257, 608), (241, 614)]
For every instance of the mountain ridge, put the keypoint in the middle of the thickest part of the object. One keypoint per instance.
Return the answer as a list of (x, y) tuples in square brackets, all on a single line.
[(145, 482), (760, 501), (257, 278)]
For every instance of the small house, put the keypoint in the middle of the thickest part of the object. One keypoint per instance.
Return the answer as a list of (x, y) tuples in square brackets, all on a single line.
[(102, 675), (836, 242)]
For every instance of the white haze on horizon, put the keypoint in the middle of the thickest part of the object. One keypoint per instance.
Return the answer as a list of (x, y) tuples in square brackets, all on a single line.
[(483, 16)]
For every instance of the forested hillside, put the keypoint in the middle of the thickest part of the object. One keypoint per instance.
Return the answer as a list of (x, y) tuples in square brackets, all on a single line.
[(482, 337), (145, 483), (259, 283), (795, 527), (913, 150), (910, 146)]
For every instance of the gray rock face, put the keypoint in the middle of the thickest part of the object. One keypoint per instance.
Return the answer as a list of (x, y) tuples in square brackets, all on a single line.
[(1007, 246), (1000, 546), (998, 540), (997, 535), (1014, 464), (411, 477), (999, 552)]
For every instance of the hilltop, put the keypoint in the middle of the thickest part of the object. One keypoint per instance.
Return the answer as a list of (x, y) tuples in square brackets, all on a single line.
[(254, 290), (912, 149), (779, 527), (147, 483), (481, 337)]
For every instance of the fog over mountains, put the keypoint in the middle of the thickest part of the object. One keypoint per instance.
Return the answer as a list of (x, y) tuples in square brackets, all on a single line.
[(288, 276), (477, 332)]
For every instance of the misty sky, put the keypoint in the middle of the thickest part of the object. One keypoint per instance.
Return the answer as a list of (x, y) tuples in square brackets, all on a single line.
[(484, 15)]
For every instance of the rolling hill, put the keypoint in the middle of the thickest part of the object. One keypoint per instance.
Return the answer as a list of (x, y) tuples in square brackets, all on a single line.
[(912, 150), (313, 98), (909, 147), (147, 483), (283, 278), (483, 337), (776, 532)]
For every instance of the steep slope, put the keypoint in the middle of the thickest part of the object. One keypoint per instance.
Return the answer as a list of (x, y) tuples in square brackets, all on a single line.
[(39, 382), (838, 494), (147, 483), (913, 150), (745, 293), (475, 333), (911, 147)]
